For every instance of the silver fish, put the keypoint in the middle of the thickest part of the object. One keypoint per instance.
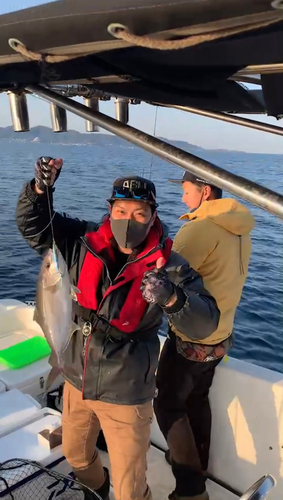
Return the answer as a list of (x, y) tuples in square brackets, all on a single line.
[(53, 311)]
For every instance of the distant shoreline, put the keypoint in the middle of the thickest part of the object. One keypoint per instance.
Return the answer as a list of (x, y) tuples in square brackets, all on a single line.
[(45, 135)]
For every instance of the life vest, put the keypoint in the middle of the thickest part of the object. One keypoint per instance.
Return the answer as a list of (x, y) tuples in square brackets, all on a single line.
[(90, 277)]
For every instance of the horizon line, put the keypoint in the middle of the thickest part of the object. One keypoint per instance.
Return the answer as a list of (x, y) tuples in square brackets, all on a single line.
[(105, 132)]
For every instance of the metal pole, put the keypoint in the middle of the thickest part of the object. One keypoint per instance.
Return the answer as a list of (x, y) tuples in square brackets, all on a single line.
[(19, 112), (122, 109), (91, 103), (236, 120), (239, 186), (58, 118), (246, 79), (262, 69)]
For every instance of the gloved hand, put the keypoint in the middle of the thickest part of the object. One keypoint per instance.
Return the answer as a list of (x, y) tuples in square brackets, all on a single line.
[(47, 171), (156, 286)]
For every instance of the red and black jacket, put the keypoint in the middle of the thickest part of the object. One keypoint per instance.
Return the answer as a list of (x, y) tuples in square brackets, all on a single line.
[(99, 255), (116, 368)]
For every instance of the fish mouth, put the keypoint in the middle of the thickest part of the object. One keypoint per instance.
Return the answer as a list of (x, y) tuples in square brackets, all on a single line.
[(52, 279)]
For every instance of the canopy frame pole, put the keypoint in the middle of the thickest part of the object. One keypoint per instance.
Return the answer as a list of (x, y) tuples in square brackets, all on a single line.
[(238, 186), (246, 79), (236, 120), (262, 69)]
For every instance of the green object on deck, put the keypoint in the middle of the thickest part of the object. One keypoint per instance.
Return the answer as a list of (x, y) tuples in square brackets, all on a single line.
[(25, 353)]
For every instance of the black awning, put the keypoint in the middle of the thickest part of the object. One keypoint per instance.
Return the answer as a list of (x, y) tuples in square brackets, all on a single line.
[(196, 76)]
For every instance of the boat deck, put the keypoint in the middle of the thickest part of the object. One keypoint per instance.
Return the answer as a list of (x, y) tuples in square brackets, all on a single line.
[(161, 480)]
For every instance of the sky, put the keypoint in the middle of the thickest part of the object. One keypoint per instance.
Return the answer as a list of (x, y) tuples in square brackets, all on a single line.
[(171, 124)]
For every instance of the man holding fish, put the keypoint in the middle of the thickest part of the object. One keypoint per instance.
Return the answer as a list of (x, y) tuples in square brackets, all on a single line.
[(102, 293)]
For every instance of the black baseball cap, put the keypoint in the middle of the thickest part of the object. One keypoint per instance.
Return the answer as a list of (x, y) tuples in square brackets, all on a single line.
[(134, 188), (188, 177)]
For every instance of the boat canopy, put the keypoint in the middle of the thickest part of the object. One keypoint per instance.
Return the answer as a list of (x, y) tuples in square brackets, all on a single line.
[(196, 53), (193, 55)]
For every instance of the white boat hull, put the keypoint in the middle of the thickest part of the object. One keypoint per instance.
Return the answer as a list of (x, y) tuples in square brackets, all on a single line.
[(247, 411)]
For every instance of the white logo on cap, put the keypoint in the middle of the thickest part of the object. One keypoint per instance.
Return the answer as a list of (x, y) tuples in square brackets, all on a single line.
[(132, 184)]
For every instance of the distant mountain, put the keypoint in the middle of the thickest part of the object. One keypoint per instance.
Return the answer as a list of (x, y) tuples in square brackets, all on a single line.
[(45, 135)]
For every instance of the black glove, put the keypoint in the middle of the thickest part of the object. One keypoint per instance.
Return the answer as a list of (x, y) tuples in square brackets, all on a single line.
[(157, 288), (45, 174)]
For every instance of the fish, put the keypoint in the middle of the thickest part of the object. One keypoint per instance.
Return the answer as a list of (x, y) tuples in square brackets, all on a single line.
[(53, 308)]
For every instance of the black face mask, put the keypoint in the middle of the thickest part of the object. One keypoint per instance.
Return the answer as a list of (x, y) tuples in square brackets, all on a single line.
[(129, 233)]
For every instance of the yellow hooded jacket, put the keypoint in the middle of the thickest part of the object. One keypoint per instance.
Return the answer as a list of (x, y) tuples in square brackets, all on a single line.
[(217, 244)]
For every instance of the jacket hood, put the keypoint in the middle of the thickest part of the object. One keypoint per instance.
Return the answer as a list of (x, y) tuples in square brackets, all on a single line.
[(227, 213)]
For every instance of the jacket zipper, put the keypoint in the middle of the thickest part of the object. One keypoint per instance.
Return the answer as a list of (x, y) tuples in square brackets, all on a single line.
[(97, 256), (136, 260), (107, 270), (89, 337), (85, 358), (99, 307)]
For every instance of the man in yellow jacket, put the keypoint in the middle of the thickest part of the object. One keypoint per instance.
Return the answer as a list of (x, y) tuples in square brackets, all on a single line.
[(215, 240)]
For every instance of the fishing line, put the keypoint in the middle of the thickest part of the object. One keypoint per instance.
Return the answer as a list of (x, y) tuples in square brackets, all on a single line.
[(50, 214), (42, 230), (50, 223), (154, 133)]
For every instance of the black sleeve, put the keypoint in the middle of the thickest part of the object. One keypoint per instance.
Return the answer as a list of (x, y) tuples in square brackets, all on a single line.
[(195, 313), (33, 221)]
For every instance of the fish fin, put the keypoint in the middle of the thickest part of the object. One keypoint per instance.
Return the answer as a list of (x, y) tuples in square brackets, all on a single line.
[(74, 291), (53, 359), (36, 317), (53, 374)]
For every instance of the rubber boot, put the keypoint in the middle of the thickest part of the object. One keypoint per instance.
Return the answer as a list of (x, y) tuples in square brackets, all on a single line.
[(202, 496), (103, 491)]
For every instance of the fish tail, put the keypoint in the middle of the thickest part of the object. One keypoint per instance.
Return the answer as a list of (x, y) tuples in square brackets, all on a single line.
[(53, 374), (35, 315)]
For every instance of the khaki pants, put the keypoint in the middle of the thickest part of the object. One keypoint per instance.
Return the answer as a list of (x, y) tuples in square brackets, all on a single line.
[(127, 433)]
